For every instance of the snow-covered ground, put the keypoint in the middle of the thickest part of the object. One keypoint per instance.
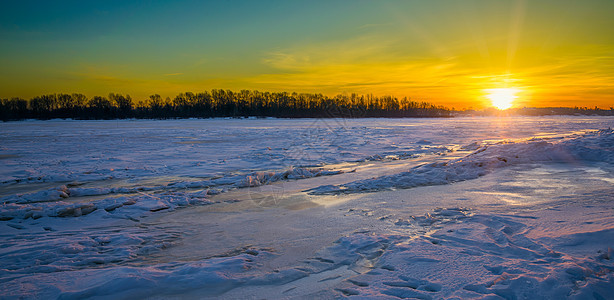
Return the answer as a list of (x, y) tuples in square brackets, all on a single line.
[(319, 208)]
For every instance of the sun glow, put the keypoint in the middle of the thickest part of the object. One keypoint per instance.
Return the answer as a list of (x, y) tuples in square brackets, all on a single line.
[(502, 98)]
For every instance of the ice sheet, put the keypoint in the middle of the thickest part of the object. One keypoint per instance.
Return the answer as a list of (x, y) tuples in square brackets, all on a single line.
[(522, 207)]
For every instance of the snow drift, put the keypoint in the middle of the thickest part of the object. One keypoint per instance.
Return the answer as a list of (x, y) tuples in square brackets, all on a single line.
[(595, 146)]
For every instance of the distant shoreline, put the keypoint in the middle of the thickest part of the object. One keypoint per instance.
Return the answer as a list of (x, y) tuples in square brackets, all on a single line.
[(461, 115), (246, 103)]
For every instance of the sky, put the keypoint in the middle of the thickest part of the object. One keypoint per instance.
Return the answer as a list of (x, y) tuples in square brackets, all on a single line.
[(552, 52)]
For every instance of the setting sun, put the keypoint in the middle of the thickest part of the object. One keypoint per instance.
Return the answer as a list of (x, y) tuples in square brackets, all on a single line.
[(502, 98)]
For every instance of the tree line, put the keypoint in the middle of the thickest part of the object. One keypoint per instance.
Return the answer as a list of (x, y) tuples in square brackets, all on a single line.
[(216, 103)]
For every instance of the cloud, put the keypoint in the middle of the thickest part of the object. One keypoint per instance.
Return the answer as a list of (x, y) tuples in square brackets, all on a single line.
[(365, 49), (375, 25), (456, 74)]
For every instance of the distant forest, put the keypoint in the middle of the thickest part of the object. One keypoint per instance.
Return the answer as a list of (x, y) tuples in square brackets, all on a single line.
[(217, 103), (247, 103)]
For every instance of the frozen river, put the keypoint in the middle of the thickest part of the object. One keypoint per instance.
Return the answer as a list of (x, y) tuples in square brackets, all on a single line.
[(316, 208)]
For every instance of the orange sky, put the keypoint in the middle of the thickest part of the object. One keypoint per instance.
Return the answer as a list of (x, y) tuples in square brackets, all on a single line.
[(555, 53)]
